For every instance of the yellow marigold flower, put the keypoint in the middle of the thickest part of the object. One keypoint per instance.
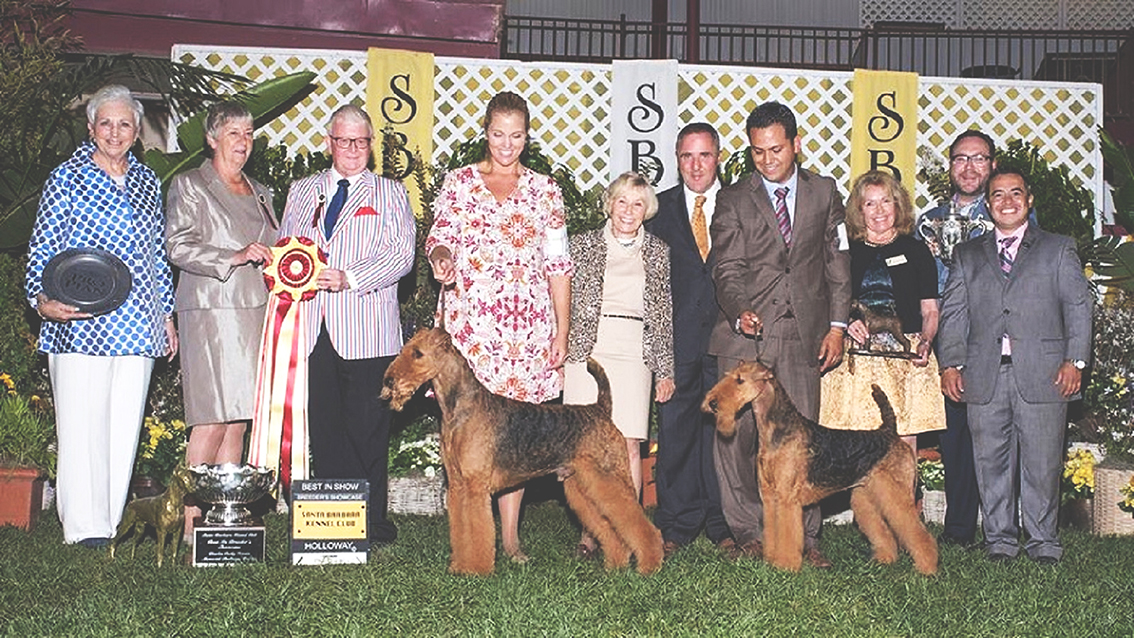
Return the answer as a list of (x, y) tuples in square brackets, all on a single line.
[(6, 379)]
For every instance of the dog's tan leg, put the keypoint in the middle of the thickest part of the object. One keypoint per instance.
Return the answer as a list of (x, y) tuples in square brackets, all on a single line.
[(472, 535), (869, 519), (783, 533), (616, 554), (898, 507)]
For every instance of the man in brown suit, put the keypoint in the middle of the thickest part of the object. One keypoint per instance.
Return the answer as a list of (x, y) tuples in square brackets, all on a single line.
[(782, 277)]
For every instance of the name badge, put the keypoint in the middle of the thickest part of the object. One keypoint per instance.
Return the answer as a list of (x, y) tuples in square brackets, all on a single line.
[(896, 260)]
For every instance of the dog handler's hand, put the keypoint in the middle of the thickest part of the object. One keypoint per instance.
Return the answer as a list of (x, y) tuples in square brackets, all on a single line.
[(663, 390), (953, 384), (441, 260), (831, 350), (749, 323)]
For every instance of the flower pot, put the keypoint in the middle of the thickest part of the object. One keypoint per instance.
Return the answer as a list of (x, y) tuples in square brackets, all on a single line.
[(21, 496), (1076, 513), (1108, 518)]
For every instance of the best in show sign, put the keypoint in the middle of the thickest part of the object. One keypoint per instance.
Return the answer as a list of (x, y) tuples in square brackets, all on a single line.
[(329, 522)]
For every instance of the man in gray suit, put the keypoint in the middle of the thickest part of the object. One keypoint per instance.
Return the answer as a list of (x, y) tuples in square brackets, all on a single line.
[(1014, 339), (782, 275)]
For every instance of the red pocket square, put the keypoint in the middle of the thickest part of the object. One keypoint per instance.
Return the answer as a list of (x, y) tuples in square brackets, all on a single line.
[(366, 210)]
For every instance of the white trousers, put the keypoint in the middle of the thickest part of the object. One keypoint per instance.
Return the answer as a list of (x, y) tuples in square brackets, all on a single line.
[(99, 403)]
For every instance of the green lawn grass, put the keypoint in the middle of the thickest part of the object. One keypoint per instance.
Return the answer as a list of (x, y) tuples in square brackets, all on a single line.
[(49, 589)]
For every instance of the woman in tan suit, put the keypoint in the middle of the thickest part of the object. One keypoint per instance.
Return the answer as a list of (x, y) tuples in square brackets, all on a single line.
[(218, 228)]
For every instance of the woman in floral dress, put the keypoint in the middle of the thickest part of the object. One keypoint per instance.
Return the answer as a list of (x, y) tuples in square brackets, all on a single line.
[(499, 248)]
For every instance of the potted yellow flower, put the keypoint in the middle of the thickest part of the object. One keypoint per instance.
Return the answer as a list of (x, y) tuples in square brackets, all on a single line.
[(27, 455), (160, 448), (1077, 489), (1108, 400)]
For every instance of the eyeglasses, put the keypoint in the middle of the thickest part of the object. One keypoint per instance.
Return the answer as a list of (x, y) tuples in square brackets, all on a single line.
[(975, 160), (359, 143)]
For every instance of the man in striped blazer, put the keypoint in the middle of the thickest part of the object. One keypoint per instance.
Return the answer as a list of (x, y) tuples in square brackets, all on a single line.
[(364, 225)]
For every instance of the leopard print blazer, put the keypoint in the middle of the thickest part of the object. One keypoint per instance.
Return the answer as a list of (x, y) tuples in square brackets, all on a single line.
[(588, 251)]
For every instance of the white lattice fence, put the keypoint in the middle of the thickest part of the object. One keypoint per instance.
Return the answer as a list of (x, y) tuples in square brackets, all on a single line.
[(341, 79), (724, 96), (570, 106)]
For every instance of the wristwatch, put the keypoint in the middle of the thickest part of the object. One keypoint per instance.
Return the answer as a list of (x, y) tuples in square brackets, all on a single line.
[(1078, 363)]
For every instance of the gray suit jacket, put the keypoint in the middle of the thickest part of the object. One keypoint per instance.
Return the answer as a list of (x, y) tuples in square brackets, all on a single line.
[(1043, 306), (205, 226), (754, 270)]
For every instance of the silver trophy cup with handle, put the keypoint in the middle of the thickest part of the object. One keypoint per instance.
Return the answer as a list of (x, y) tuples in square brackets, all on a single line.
[(230, 487), (951, 230)]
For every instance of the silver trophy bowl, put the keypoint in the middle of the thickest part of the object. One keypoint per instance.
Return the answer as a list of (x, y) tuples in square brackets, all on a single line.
[(230, 487), (950, 230)]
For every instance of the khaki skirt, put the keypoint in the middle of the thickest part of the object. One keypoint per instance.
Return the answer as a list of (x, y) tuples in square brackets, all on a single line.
[(219, 353), (846, 401), (618, 349)]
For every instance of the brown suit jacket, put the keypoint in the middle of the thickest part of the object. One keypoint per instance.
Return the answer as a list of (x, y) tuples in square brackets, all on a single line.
[(755, 271)]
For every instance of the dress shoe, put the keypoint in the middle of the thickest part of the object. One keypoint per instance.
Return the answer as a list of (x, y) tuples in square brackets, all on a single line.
[(753, 549), (670, 548), (1046, 561), (999, 557), (94, 543), (816, 559)]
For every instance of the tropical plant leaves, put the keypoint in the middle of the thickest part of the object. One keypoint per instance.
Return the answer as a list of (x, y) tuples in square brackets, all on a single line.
[(1112, 261), (262, 100), (1120, 161)]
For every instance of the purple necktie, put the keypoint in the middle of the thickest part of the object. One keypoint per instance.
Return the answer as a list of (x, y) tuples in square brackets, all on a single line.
[(1005, 260), (782, 214)]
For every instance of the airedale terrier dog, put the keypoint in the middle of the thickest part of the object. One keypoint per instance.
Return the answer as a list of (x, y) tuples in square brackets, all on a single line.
[(490, 443), (801, 462)]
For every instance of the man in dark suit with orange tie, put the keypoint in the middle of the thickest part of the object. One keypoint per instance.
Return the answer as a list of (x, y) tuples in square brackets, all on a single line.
[(782, 275), (688, 493)]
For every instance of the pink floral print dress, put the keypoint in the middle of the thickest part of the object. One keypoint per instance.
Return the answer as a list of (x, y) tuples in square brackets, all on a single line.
[(499, 313)]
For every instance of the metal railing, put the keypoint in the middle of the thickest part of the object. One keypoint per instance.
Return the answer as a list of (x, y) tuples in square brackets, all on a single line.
[(1106, 57)]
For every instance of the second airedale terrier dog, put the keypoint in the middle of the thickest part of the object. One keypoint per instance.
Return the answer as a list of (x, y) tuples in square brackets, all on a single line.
[(800, 462), (490, 443)]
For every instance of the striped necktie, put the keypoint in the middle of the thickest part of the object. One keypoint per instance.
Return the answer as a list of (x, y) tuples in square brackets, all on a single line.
[(782, 215), (1006, 260)]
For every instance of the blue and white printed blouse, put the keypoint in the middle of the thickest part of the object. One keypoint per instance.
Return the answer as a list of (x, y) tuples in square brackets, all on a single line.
[(82, 207)]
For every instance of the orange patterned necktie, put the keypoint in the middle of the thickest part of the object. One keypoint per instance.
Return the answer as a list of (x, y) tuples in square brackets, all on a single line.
[(700, 230)]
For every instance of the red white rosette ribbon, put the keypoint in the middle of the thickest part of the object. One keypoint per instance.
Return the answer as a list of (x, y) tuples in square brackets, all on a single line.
[(279, 425)]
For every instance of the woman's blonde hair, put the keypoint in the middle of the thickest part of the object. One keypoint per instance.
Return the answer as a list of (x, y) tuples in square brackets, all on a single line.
[(903, 206), (626, 182)]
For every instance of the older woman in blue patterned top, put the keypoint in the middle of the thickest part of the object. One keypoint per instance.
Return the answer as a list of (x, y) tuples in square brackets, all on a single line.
[(102, 198)]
